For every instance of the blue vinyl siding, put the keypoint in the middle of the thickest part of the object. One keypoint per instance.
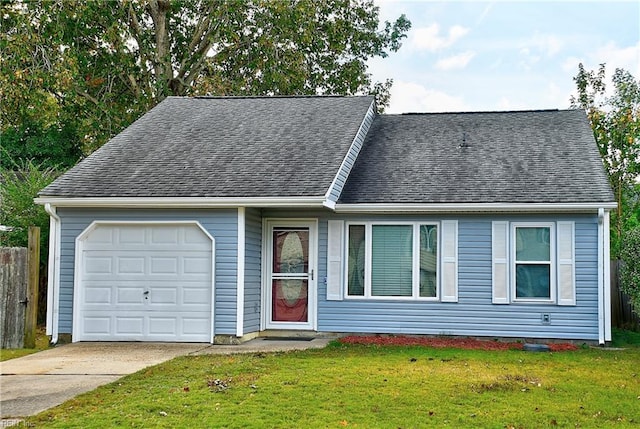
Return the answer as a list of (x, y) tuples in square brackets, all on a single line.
[(474, 314), (253, 270), (221, 224)]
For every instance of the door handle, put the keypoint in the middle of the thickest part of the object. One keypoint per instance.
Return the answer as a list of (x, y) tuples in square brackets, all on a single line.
[(311, 274), (146, 292)]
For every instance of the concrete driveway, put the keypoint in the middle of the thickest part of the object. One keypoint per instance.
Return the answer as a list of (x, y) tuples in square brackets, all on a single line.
[(34, 383)]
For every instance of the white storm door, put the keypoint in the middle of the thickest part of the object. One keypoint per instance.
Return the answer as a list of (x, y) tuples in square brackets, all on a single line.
[(292, 271), (144, 282)]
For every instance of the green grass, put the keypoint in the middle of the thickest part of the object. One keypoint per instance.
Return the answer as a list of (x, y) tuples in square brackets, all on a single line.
[(42, 343), (623, 338), (369, 387)]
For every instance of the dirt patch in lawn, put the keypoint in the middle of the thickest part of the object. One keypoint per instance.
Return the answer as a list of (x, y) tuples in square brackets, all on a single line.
[(440, 342)]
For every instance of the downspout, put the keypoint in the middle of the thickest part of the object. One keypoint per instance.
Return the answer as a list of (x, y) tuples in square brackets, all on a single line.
[(601, 282), (607, 277), (240, 264), (53, 271)]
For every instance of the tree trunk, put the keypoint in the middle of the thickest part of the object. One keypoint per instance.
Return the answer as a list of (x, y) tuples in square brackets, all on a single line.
[(158, 9)]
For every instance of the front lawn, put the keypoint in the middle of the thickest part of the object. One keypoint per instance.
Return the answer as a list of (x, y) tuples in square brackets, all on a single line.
[(368, 387)]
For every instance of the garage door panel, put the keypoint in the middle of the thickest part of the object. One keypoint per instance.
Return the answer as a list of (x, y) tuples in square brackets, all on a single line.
[(129, 295), (192, 325), (98, 295), (130, 265), (100, 325), (160, 296), (130, 235), (165, 236), (146, 282), (163, 326), (163, 265), (129, 325), (98, 264), (195, 265), (194, 296)]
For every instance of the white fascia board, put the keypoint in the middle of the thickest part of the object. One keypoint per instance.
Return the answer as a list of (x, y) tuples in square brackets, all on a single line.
[(182, 202), (474, 207)]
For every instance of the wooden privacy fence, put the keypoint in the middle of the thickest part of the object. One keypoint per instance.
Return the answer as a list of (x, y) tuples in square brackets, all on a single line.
[(19, 271), (622, 315)]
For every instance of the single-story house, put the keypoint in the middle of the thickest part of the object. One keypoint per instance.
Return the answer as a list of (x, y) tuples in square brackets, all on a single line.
[(218, 219)]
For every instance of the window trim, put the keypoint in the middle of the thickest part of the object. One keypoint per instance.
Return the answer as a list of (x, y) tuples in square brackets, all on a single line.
[(415, 289), (553, 262)]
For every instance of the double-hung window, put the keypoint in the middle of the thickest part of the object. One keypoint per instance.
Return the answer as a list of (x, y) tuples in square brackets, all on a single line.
[(533, 262), (392, 260)]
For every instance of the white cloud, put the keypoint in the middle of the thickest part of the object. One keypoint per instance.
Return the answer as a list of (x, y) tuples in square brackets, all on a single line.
[(484, 14), (627, 58), (456, 62), (570, 64), (413, 97), (506, 104), (528, 60), (430, 39), (548, 44)]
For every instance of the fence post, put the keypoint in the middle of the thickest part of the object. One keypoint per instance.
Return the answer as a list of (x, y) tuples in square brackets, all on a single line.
[(31, 315)]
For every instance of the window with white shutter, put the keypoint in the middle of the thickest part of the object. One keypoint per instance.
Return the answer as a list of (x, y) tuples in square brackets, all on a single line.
[(533, 262)]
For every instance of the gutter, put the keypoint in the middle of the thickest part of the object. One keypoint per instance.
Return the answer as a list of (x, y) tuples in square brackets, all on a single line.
[(182, 202), (53, 274), (474, 208)]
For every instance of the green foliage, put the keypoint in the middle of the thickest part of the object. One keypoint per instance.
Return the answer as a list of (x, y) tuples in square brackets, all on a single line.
[(625, 338), (615, 121), (19, 187), (101, 64), (630, 271), (53, 147), (367, 387)]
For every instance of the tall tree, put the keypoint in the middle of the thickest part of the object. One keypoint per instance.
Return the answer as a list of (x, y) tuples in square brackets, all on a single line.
[(615, 121), (103, 63)]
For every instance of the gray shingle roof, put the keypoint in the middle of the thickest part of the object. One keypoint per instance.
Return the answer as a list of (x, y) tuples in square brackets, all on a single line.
[(222, 147), (510, 157)]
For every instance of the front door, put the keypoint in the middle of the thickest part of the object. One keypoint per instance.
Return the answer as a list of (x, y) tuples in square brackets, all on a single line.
[(292, 275)]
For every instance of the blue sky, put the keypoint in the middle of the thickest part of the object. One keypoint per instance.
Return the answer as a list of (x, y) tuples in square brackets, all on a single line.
[(503, 55)]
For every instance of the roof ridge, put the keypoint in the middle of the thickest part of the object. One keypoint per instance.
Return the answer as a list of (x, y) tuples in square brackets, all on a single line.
[(479, 112), (240, 97)]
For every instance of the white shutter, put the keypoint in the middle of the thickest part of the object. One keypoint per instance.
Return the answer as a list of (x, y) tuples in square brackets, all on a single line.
[(334, 259), (566, 264), (500, 262), (449, 272)]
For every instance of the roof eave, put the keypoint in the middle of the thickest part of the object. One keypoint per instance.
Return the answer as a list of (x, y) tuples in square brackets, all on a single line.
[(475, 207), (182, 202)]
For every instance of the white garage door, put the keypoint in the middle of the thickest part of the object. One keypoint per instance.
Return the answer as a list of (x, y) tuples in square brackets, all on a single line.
[(144, 282)]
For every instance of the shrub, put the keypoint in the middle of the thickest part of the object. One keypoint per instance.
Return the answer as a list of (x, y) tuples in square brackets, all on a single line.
[(630, 272)]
